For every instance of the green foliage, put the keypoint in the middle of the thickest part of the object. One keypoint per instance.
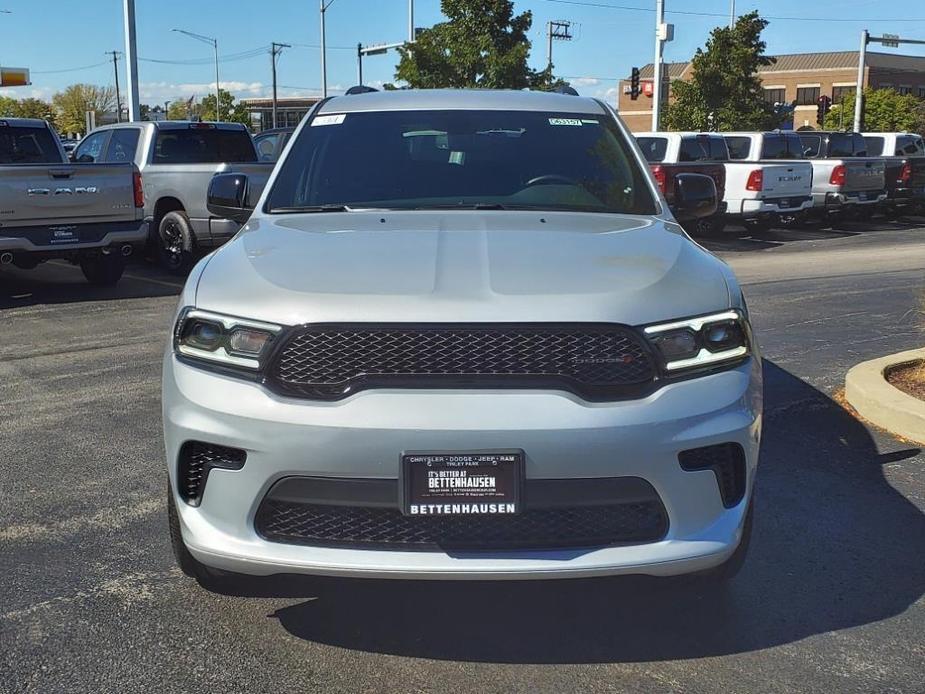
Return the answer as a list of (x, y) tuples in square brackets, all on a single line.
[(483, 44), (72, 104), (885, 110), (26, 108), (184, 109), (725, 92), (231, 112)]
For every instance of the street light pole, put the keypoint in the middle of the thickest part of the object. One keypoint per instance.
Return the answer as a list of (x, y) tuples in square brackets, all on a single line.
[(166, 110), (732, 14), (131, 62), (657, 65), (410, 22), (859, 93), (214, 44)]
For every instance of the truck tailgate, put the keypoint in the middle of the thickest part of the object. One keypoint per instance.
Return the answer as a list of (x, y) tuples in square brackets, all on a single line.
[(787, 180), (864, 174), (43, 194)]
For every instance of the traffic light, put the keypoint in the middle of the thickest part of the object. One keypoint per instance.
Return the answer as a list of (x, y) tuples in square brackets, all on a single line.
[(634, 84), (825, 103)]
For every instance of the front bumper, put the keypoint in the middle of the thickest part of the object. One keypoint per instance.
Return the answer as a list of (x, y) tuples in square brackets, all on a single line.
[(363, 437)]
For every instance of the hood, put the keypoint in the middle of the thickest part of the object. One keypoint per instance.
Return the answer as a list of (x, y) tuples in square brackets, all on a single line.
[(466, 266)]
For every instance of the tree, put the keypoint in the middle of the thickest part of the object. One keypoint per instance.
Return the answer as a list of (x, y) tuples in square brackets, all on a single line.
[(184, 109), (8, 107), (231, 112), (483, 44), (885, 110), (26, 108), (72, 104), (725, 92)]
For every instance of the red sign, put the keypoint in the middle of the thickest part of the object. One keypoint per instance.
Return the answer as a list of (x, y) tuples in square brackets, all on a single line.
[(647, 88)]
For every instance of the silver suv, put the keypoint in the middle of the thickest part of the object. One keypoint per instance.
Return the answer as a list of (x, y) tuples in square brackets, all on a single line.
[(461, 336)]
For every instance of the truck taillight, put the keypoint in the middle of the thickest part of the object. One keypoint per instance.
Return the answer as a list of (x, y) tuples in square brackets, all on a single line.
[(905, 175), (755, 181), (138, 190), (838, 175), (660, 178)]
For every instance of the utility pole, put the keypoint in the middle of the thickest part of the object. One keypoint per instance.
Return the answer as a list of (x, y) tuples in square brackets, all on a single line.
[(115, 67), (275, 50), (732, 14), (131, 61), (556, 30), (166, 110), (325, 4), (410, 23), (657, 65)]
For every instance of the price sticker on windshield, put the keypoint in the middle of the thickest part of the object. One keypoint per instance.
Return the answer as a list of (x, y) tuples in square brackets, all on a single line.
[(333, 119)]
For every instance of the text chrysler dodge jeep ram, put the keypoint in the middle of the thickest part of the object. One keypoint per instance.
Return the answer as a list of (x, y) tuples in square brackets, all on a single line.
[(461, 336)]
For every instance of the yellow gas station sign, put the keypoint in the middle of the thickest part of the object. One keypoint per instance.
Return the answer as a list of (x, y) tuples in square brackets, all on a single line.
[(14, 77)]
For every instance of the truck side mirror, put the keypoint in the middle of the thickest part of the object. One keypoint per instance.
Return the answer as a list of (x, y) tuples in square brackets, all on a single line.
[(695, 197), (227, 197)]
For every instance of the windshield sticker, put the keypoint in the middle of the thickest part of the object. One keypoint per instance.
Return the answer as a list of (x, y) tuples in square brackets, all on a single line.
[(565, 121), (590, 121), (333, 119)]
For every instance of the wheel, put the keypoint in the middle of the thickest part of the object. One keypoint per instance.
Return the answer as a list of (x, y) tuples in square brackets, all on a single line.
[(212, 579), (175, 243), (103, 270), (720, 575)]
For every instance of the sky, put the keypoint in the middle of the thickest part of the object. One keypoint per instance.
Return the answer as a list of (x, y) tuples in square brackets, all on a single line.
[(66, 42)]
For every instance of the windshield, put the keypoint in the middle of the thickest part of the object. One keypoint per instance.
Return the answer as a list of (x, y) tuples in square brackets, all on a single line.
[(27, 145), (439, 159)]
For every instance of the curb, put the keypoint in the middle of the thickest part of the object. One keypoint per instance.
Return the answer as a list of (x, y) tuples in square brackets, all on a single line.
[(882, 404)]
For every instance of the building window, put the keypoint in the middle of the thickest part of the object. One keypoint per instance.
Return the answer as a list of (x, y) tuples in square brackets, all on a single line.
[(807, 95), (775, 96), (839, 93), (922, 92), (905, 89), (885, 85)]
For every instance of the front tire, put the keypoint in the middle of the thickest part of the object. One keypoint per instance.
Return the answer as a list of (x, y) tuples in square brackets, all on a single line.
[(175, 243), (103, 270)]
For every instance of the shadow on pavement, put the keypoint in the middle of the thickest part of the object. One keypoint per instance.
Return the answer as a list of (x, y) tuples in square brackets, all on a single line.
[(835, 546), (59, 282)]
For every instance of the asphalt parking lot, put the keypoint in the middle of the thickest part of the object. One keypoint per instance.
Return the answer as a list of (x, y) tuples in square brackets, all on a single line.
[(830, 599)]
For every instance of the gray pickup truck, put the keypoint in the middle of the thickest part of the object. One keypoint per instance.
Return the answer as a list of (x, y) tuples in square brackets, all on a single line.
[(177, 160), (89, 214), (846, 182)]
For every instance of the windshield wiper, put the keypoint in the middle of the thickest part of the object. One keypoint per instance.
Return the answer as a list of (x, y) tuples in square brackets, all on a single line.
[(464, 206), (314, 208)]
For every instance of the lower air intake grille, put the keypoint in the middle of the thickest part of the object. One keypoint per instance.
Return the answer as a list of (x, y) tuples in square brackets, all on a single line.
[(196, 460), (327, 362), (727, 460), (542, 528)]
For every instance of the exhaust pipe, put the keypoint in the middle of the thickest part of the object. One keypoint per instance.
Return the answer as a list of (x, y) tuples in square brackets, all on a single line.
[(126, 251), (6, 258)]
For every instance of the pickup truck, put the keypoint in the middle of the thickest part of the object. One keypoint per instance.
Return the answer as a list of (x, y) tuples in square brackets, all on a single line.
[(673, 153), (88, 214), (177, 160), (767, 179), (904, 156), (846, 182)]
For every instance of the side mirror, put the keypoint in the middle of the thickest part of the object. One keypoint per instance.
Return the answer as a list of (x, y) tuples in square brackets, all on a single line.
[(695, 197), (227, 197)]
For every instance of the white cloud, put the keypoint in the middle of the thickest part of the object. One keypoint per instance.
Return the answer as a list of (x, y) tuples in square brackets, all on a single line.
[(44, 93), (610, 95), (584, 81), (161, 91)]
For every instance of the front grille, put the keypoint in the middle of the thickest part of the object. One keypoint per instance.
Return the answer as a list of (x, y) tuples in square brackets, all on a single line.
[(546, 528), (598, 361), (727, 460), (195, 461)]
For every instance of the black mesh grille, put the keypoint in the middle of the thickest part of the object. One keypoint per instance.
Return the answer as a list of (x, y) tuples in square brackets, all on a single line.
[(727, 460), (578, 526), (195, 461), (329, 362)]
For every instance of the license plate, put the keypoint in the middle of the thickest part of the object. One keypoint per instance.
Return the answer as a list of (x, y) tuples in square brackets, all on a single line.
[(64, 234), (462, 484), (784, 203)]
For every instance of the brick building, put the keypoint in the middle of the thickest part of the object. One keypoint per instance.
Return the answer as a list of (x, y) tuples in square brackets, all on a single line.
[(800, 78)]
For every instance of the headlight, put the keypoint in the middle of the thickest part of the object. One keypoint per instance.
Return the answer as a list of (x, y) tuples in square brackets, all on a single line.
[(223, 340), (697, 342)]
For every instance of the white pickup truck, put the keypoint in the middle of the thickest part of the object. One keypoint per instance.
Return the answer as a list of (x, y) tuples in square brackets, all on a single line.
[(767, 179), (177, 160), (88, 214)]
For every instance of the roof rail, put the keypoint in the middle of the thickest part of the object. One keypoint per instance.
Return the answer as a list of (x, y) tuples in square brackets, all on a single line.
[(566, 89), (360, 89)]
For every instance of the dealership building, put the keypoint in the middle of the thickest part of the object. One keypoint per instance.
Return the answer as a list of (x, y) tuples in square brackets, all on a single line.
[(798, 79), (289, 111)]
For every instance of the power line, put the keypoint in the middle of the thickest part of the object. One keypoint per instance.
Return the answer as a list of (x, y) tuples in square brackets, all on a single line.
[(243, 55), (318, 46), (587, 3), (70, 69)]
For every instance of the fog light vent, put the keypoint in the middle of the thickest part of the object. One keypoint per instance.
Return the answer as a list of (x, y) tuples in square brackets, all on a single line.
[(195, 461), (727, 460)]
